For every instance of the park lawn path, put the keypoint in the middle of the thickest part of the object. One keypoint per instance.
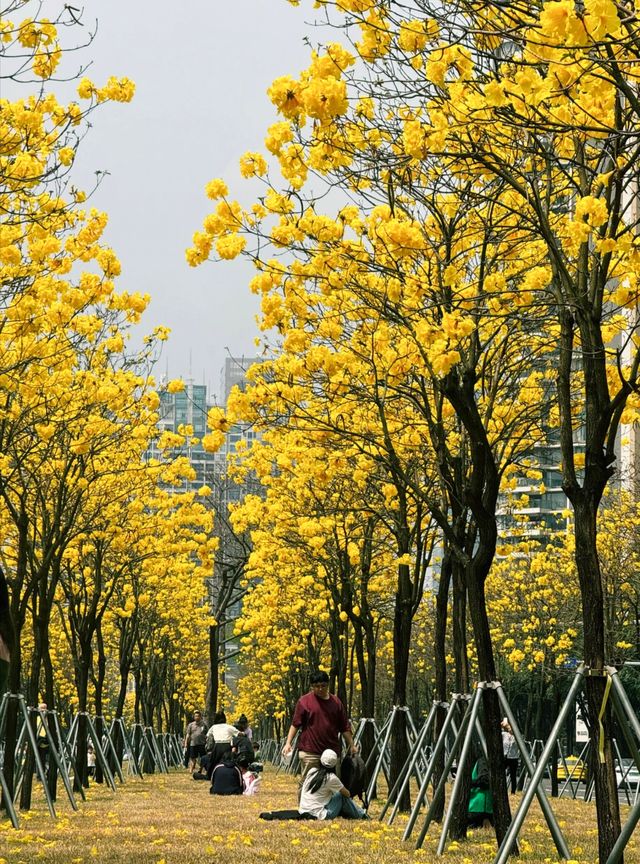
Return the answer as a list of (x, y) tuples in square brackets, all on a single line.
[(171, 819)]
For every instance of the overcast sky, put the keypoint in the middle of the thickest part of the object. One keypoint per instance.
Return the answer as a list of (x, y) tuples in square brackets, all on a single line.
[(201, 69)]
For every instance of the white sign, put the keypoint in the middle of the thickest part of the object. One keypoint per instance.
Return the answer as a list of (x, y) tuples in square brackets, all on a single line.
[(582, 733)]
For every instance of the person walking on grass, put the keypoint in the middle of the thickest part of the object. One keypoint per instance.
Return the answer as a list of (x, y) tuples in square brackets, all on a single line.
[(322, 720), (194, 740)]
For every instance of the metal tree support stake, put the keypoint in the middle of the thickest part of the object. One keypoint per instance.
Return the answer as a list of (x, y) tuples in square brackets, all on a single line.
[(439, 790), (53, 751), (127, 746), (107, 734), (404, 778), (386, 730), (457, 784), (8, 801), (34, 746), (440, 743), (625, 711), (97, 746), (514, 829), (554, 828)]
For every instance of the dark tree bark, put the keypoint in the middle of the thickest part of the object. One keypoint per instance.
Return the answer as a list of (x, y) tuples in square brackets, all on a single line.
[(214, 672), (440, 670)]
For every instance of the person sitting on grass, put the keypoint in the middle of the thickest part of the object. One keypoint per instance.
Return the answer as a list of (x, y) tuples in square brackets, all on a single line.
[(226, 778), (250, 779), (323, 795), (480, 812)]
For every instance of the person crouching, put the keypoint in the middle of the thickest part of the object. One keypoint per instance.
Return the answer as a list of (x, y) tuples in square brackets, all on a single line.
[(323, 795), (226, 778)]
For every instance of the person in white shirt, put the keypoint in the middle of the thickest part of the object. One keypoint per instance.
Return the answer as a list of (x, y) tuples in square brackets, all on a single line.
[(511, 753), (220, 732), (323, 795), (218, 745)]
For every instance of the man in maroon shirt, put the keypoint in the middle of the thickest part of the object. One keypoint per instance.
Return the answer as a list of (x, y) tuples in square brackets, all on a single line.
[(321, 718)]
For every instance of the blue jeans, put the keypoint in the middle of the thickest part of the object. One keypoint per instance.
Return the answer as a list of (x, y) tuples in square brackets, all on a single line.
[(345, 807)]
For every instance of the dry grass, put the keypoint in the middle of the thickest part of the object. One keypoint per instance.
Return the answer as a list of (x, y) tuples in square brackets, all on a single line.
[(173, 820)]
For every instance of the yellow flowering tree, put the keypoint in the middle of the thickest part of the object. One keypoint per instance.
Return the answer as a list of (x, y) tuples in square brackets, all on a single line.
[(512, 122)]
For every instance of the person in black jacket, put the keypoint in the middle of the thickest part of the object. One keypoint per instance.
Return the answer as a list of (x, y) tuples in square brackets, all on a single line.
[(226, 778)]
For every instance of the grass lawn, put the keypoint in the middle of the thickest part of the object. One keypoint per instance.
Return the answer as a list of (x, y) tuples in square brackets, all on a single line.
[(171, 819)]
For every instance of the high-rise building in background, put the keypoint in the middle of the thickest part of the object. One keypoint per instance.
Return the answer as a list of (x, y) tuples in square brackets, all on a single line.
[(189, 408), (546, 504), (234, 373), (233, 550)]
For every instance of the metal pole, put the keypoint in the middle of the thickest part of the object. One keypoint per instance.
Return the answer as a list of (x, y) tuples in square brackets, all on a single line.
[(100, 753), (582, 757), (624, 701), (625, 835), (623, 774), (556, 833), (628, 737), (404, 778), (415, 734), (128, 747), (413, 768), (154, 746), (379, 733), (440, 743), (68, 756), (512, 833), (36, 755), (3, 708), (537, 745), (457, 783), (62, 767), (620, 709), (136, 745), (439, 790), (8, 801), (361, 724), (21, 746), (383, 748), (107, 735)]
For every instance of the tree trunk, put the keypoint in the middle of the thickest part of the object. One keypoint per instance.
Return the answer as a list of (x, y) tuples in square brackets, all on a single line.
[(491, 707), (101, 670), (401, 647), (32, 700), (82, 686), (440, 663), (49, 695), (17, 613), (211, 700), (588, 565), (459, 816)]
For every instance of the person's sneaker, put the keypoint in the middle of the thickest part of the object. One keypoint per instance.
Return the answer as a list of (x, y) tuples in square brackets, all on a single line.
[(198, 775)]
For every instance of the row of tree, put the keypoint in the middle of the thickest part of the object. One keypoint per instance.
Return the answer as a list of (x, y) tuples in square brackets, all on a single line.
[(446, 250), (102, 565)]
